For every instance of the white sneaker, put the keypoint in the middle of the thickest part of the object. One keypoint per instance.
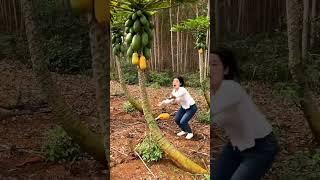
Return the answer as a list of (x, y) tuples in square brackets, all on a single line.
[(181, 133), (189, 136)]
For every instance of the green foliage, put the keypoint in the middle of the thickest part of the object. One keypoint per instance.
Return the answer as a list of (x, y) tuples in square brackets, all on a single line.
[(130, 72), (287, 90), (161, 78), (206, 177), (128, 107), (14, 46), (149, 149), (60, 147), (155, 85), (261, 56), (204, 117), (301, 165), (192, 79), (198, 24)]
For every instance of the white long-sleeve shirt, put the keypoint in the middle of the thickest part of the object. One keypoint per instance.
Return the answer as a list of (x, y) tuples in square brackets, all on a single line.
[(235, 111), (182, 97)]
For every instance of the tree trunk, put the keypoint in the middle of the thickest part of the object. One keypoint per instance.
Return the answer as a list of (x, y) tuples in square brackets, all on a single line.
[(297, 66), (100, 52), (135, 103), (90, 142), (305, 32), (313, 15), (171, 40), (175, 155), (178, 37)]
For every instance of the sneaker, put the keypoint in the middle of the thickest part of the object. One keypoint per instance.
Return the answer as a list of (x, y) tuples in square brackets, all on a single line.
[(181, 133), (189, 136)]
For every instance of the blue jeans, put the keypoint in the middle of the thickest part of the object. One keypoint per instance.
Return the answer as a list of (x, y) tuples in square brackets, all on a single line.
[(250, 164), (183, 116)]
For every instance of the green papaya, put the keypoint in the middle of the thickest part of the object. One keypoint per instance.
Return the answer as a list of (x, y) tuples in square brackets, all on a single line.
[(144, 39), (129, 51), (129, 38), (114, 51), (143, 20), (136, 42), (118, 47), (147, 53), (128, 23), (139, 13), (137, 26), (148, 15), (131, 30), (113, 39), (123, 49), (134, 16)]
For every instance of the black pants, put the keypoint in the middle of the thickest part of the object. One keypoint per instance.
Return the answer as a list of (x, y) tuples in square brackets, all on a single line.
[(250, 164)]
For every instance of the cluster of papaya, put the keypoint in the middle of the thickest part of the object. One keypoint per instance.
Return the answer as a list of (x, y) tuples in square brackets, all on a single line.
[(201, 42), (118, 48), (139, 37)]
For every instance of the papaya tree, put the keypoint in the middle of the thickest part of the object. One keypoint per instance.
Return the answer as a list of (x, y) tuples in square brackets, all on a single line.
[(89, 141), (119, 50), (297, 65), (198, 27), (139, 37)]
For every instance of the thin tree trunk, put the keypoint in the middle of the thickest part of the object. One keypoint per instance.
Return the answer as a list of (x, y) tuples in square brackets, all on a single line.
[(305, 31), (135, 103), (313, 15), (171, 41), (186, 54), (178, 38), (175, 155), (90, 142)]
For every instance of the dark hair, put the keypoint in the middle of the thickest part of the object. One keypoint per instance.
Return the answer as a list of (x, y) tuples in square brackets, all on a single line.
[(229, 61), (181, 81)]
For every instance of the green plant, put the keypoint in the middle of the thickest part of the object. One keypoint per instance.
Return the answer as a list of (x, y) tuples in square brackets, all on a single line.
[(192, 79), (149, 149), (286, 90), (155, 85), (60, 147), (128, 107), (206, 177), (204, 117), (162, 78)]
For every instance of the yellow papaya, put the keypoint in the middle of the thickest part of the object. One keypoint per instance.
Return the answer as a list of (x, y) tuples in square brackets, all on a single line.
[(163, 116), (135, 58), (200, 50), (142, 63)]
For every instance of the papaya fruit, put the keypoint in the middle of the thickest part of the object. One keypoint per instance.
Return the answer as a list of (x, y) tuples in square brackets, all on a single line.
[(144, 39), (142, 63), (143, 20), (81, 6), (135, 59), (127, 29), (139, 13), (136, 42), (200, 51), (131, 30), (134, 16), (129, 38), (137, 26), (147, 52), (148, 15), (128, 23), (163, 116), (114, 51), (129, 52), (102, 11), (123, 49)]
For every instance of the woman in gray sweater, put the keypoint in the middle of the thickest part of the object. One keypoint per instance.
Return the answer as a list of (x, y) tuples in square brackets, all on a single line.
[(252, 146)]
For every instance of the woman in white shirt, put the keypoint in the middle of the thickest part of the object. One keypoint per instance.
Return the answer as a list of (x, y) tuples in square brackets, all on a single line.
[(188, 106), (252, 147)]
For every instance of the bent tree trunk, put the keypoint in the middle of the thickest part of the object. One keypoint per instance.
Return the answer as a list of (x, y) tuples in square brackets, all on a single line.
[(89, 142), (297, 64), (99, 43), (175, 155), (132, 101)]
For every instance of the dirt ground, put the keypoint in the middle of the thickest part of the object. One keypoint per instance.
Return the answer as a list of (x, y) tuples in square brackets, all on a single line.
[(26, 132)]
